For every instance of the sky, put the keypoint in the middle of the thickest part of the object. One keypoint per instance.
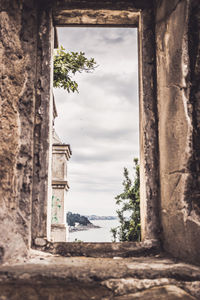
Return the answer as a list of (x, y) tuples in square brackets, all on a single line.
[(101, 122)]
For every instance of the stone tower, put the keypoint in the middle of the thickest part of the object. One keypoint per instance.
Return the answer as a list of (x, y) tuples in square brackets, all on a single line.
[(60, 155)]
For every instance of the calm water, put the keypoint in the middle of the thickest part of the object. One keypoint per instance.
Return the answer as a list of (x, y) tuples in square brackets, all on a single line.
[(102, 234)]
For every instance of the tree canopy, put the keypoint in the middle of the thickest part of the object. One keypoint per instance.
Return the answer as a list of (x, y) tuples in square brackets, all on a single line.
[(129, 202), (66, 65), (76, 218)]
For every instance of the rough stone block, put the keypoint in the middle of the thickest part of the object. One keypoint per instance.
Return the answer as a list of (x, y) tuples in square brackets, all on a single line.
[(169, 292)]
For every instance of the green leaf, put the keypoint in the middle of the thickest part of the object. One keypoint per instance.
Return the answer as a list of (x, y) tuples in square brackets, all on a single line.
[(67, 64), (129, 201)]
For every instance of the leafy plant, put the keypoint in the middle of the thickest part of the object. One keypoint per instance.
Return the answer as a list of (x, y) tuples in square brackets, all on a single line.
[(129, 202), (66, 65)]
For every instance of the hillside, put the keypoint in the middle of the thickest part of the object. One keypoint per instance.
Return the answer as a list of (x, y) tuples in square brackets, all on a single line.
[(95, 217)]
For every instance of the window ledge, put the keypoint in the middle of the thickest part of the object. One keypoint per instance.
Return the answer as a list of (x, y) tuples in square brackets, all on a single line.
[(122, 249)]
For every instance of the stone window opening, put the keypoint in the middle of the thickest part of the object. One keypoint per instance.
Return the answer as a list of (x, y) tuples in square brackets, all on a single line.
[(169, 63), (105, 106), (149, 190)]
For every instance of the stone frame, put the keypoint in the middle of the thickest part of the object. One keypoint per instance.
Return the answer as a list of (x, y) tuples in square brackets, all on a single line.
[(104, 13), (41, 192)]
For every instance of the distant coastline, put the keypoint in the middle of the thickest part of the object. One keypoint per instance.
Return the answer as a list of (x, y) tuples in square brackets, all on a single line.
[(82, 227), (98, 235), (79, 222), (95, 217)]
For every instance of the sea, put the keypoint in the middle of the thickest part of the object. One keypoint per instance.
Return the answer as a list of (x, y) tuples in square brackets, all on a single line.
[(99, 235)]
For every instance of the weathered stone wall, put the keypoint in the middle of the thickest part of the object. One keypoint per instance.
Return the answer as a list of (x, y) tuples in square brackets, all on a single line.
[(149, 158), (26, 110), (142, 278), (41, 199), (178, 71), (18, 69), (25, 119)]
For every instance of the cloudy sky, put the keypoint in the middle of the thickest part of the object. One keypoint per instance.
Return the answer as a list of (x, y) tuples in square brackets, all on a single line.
[(101, 122)]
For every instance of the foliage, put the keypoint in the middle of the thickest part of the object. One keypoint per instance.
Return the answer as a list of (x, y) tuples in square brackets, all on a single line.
[(66, 65), (76, 218), (129, 202)]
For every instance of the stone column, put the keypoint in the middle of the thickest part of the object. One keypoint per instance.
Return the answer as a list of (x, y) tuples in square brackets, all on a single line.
[(61, 154)]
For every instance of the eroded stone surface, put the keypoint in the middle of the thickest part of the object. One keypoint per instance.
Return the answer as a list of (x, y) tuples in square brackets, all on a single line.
[(169, 292), (26, 40), (94, 17), (178, 61), (95, 278), (24, 123), (126, 249), (18, 67), (40, 242)]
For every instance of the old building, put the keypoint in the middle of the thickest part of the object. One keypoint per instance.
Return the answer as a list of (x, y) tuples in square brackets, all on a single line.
[(60, 155), (169, 75)]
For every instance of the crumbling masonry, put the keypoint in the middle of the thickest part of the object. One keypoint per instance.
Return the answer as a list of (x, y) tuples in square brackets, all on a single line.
[(169, 75)]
